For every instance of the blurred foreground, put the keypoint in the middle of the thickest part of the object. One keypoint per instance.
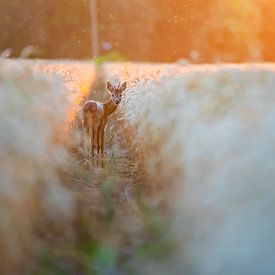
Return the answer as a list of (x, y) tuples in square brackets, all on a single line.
[(188, 180)]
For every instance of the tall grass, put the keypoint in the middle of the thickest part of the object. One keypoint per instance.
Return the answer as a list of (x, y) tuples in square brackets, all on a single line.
[(33, 111), (205, 138), (208, 133)]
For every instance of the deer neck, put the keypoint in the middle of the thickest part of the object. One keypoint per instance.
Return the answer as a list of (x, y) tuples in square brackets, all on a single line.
[(110, 107)]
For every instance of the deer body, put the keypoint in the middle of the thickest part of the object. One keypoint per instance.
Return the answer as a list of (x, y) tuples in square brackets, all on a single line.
[(95, 117)]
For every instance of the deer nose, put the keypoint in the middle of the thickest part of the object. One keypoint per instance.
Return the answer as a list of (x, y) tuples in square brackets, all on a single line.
[(117, 101)]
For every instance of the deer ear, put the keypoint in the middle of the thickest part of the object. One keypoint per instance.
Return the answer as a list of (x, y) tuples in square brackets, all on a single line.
[(110, 87), (123, 87)]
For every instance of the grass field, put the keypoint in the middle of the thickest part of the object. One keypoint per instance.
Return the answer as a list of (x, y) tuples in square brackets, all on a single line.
[(187, 185)]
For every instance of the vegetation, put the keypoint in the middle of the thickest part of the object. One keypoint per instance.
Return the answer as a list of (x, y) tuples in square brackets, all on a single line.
[(61, 213), (33, 111), (147, 30), (206, 137), (164, 188), (186, 182), (109, 57)]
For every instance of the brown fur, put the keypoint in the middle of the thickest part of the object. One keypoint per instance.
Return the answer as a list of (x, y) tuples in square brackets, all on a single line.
[(95, 117)]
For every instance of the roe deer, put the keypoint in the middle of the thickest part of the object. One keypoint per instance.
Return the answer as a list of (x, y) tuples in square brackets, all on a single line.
[(95, 117)]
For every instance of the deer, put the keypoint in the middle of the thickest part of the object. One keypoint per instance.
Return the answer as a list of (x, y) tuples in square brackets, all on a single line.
[(95, 117)]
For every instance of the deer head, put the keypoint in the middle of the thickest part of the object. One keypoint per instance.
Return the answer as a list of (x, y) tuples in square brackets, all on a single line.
[(116, 92)]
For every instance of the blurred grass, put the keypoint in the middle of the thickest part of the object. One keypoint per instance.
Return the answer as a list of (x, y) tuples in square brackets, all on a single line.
[(112, 56), (112, 235), (117, 229)]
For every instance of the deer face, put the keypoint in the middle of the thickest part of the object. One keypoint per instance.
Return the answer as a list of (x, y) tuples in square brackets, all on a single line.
[(116, 92)]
